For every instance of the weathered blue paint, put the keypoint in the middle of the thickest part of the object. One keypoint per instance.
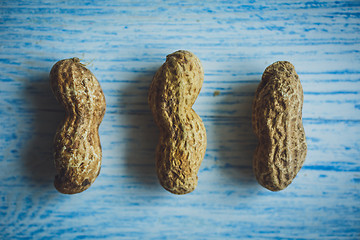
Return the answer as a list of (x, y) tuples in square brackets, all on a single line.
[(124, 43)]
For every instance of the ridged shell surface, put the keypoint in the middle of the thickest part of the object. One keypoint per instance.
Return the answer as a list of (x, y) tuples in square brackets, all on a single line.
[(277, 122), (182, 143), (77, 148)]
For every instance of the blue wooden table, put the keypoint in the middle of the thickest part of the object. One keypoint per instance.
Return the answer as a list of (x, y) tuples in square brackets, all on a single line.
[(123, 43)]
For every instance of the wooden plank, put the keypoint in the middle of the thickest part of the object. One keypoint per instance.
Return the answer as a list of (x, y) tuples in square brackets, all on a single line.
[(124, 43)]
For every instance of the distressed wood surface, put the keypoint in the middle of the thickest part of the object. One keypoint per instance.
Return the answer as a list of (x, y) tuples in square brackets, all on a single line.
[(124, 43)]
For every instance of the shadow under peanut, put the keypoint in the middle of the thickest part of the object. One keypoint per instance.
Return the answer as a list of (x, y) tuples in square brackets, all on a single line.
[(141, 135), (45, 114), (238, 142)]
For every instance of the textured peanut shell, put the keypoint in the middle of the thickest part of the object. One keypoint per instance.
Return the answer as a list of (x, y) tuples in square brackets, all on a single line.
[(77, 149), (182, 143), (277, 122)]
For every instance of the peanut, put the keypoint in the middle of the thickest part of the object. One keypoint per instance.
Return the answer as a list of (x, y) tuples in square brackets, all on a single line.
[(182, 143), (277, 123), (77, 149)]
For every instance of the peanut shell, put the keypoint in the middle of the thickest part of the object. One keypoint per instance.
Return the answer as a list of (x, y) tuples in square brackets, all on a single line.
[(277, 123), (182, 143), (77, 148)]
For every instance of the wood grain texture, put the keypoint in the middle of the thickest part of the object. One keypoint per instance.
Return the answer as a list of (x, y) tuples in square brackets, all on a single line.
[(124, 44)]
